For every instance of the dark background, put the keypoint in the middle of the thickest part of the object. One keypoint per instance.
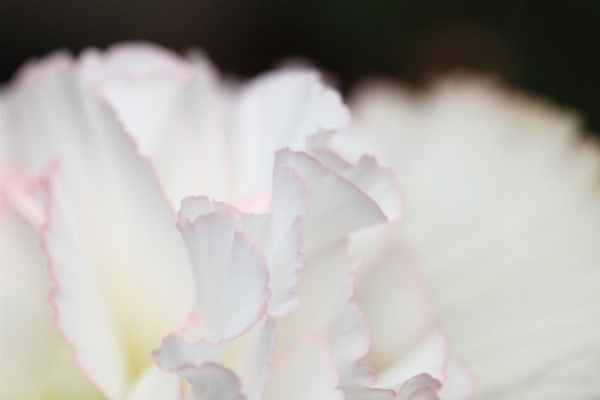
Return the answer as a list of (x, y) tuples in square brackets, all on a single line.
[(551, 48)]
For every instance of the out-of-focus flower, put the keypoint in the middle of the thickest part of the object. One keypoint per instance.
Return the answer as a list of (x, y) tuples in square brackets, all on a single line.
[(98, 152), (502, 205)]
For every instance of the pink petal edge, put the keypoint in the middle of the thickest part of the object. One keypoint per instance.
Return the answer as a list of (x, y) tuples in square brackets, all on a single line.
[(245, 241), (47, 183)]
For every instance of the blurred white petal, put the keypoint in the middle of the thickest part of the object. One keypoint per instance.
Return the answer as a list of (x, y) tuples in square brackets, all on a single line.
[(502, 203)]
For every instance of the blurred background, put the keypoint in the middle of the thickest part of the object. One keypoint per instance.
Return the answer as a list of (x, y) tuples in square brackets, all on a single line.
[(551, 48)]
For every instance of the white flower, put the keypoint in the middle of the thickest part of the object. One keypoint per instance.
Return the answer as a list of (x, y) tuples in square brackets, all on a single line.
[(502, 204), (98, 152)]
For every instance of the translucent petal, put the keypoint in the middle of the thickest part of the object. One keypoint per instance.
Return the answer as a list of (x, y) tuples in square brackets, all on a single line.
[(230, 274)]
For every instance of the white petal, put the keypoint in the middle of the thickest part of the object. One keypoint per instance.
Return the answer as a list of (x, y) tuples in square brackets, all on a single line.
[(211, 381), (178, 120), (23, 195), (284, 240), (277, 110), (250, 357), (176, 353), (417, 375), (350, 337), (132, 61), (460, 382), (143, 104), (36, 362), (202, 133), (139, 83), (110, 232), (393, 296), (576, 376), (230, 274), (154, 384), (193, 207), (28, 339), (337, 207), (83, 313), (419, 387), (325, 290), (326, 307), (308, 372), (428, 357), (279, 234), (501, 202), (380, 184)]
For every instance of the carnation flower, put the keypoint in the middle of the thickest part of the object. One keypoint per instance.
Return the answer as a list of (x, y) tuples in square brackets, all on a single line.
[(249, 291), (502, 205)]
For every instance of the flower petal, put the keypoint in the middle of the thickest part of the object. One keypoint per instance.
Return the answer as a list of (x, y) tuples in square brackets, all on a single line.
[(380, 184), (247, 356), (279, 234), (140, 83), (417, 388), (429, 357), (110, 231), (196, 362), (133, 61), (230, 273), (504, 210), (326, 307), (573, 377), (250, 357), (281, 108), (420, 387), (350, 337), (325, 289), (178, 119), (460, 382), (83, 313), (392, 282), (36, 361), (308, 372), (212, 381), (216, 122), (337, 206), (176, 352), (27, 339), (154, 384), (418, 374)]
